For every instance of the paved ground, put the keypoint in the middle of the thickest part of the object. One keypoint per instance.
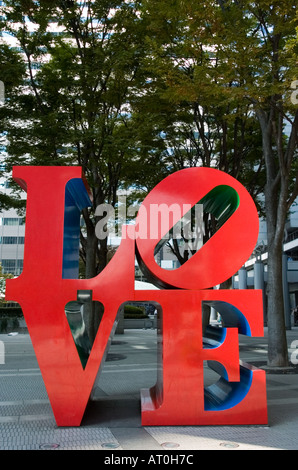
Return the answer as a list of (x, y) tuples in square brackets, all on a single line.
[(113, 420)]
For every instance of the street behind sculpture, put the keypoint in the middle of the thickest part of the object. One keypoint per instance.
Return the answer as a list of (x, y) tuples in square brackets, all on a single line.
[(49, 292)]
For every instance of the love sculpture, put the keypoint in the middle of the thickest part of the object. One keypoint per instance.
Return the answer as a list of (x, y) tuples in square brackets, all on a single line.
[(55, 198)]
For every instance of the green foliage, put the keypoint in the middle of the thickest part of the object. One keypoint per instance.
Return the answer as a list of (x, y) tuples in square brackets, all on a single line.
[(3, 278), (132, 311), (75, 109), (213, 66), (133, 91), (12, 70), (196, 113)]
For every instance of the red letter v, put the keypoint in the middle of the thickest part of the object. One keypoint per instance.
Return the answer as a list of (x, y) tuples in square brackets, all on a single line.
[(43, 293)]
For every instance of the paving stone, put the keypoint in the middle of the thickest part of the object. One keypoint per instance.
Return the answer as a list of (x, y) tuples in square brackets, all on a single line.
[(112, 420)]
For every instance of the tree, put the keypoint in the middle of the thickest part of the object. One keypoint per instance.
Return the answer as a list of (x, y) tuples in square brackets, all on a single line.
[(230, 55), (197, 116), (11, 72), (133, 91), (75, 108), (267, 28), (274, 112)]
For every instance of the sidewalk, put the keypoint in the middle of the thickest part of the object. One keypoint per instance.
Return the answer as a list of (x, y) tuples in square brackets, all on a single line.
[(113, 420)]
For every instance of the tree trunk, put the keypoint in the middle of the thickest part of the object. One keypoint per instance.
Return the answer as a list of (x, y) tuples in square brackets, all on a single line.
[(93, 310), (276, 206), (277, 339), (91, 250)]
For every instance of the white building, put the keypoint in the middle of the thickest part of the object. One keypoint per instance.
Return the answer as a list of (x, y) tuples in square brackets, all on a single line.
[(12, 238)]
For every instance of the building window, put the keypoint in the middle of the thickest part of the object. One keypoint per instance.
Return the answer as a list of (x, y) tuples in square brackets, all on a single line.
[(19, 267), (12, 266), (9, 266), (12, 240), (12, 221), (9, 240)]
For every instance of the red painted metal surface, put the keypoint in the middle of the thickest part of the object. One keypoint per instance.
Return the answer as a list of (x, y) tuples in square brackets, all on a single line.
[(43, 293), (223, 254), (179, 397)]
